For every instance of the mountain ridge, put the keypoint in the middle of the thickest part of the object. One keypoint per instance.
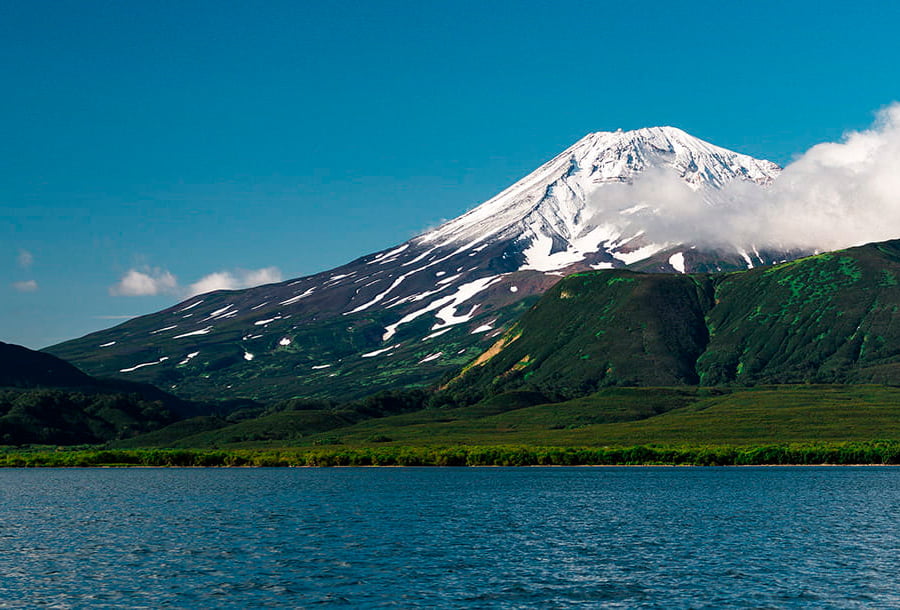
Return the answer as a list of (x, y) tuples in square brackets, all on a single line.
[(406, 315)]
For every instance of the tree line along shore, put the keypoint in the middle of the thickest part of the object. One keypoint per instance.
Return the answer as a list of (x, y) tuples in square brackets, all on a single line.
[(849, 453)]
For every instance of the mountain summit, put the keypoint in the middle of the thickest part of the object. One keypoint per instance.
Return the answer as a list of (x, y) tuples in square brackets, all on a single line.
[(409, 314), (557, 213)]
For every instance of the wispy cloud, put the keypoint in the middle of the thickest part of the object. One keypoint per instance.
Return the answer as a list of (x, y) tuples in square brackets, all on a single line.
[(234, 280), (153, 282), (148, 282), (25, 259), (26, 286)]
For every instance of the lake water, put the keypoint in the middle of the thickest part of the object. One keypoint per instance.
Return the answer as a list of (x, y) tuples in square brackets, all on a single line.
[(447, 537)]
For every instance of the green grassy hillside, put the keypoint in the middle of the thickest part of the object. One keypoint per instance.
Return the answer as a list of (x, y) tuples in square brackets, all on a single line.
[(823, 319), (599, 329), (830, 318), (616, 417)]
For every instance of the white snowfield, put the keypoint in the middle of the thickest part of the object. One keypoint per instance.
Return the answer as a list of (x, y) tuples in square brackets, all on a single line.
[(292, 300), (559, 210), (266, 321)]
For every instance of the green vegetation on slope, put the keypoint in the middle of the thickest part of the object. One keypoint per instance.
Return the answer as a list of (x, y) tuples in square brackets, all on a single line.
[(65, 418), (633, 416), (46, 400), (586, 366), (822, 319), (609, 417), (284, 422), (601, 329)]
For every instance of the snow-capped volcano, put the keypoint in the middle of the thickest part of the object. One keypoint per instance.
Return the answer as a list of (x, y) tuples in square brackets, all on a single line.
[(409, 313), (549, 212)]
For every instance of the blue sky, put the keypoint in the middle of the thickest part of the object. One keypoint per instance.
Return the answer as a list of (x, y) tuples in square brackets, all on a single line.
[(184, 139)]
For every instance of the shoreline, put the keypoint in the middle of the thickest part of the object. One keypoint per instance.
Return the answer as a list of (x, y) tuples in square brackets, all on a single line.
[(850, 453)]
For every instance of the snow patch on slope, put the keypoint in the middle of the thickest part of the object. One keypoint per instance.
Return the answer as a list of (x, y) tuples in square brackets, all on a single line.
[(379, 351), (539, 255), (188, 358), (140, 366), (638, 255), (204, 331), (293, 300), (447, 305)]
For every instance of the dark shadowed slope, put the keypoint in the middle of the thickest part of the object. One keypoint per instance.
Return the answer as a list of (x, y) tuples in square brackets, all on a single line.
[(48, 401)]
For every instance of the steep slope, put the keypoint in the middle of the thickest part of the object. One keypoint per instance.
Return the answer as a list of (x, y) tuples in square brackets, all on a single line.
[(829, 318), (407, 315), (601, 328), (573, 212)]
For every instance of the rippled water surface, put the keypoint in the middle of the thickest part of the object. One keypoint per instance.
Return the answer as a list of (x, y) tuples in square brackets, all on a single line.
[(443, 537)]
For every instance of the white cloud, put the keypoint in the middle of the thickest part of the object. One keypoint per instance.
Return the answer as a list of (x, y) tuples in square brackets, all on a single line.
[(25, 259), (266, 275), (27, 286), (834, 196), (149, 282), (152, 282), (221, 280), (234, 280), (841, 194)]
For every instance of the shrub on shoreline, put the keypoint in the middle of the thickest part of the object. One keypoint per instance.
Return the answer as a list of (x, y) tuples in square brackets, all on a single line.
[(874, 452)]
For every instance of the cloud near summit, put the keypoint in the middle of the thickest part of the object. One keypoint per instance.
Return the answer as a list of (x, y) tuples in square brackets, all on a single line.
[(835, 195), (155, 281)]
